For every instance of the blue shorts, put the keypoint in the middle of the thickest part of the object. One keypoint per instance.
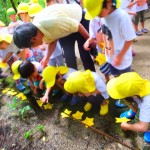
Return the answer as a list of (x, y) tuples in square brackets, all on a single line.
[(105, 69), (117, 72)]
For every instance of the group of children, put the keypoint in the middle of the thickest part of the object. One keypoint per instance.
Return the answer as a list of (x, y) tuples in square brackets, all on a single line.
[(111, 32)]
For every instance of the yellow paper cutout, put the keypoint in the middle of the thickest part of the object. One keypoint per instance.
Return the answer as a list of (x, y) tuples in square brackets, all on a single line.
[(48, 106), (78, 115), (19, 95), (66, 113), (88, 122), (23, 98), (120, 120), (5, 90), (3, 65), (40, 103), (101, 59)]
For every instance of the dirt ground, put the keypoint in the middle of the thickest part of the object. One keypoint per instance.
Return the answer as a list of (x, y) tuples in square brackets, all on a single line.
[(47, 130)]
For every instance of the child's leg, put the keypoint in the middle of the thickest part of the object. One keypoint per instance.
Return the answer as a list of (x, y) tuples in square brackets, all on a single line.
[(142, 22)]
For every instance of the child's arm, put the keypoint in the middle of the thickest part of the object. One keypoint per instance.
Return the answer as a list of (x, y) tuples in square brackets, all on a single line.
[(51, 48), (46, 96), (133, 3), (139, 126), (7, 57), (118, 59), (131, 13)]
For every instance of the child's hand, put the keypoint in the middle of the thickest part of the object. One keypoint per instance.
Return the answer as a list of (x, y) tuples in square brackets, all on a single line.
[(87, 45), (44, 99), (124, 126), (117, 61)]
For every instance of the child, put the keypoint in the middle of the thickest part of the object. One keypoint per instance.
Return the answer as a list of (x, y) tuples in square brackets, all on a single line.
[(49, 28), (118, 34), (90, 85), (95, 37), (52, 75), (140, 10), (9, 53), (12, 15), (129, 85), (29, 70)]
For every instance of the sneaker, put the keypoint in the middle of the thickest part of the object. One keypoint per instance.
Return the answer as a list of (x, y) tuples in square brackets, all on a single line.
[(138, 33), (103, 109), (87, 106), (147, 137), (22, 80), (128, 114), (120, 104), (74, 101), (20, 87), (144, 30)]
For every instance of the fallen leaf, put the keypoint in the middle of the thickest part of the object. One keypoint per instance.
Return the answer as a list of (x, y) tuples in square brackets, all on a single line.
[(40, 103), (48, 106)]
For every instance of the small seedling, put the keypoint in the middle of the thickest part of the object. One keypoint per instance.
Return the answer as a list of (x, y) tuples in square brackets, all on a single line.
[(27, 134), (23, 111), (40, 128)]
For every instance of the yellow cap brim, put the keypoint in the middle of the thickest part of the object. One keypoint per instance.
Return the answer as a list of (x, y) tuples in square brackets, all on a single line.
[(19, 12), (50, 84), (89, 15), (16, 76), (112, 90)]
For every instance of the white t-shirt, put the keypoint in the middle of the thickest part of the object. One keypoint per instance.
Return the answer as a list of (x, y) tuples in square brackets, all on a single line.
[(94, 26), (57, 51), (144, 106), (124, 5), (38, 66), (65, 76), (11, 31), (120, 26), (100, 85), (4, 30), (140, 8), (13, 48)]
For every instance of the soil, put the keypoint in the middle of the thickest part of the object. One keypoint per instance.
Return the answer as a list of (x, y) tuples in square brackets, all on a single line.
[(22, 132)]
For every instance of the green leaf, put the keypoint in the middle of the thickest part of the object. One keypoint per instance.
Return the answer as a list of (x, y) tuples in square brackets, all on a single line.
[(27, 134), (40, 127)]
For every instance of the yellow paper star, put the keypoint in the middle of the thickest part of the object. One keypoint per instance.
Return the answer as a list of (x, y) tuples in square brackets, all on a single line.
[(23, 98), (101, 59), (48, 106), (78, 115), (40, 103), (14, 93), (66, 113), (88, 122), (3, 65), (120, 120), (5, 90), (19, 95)]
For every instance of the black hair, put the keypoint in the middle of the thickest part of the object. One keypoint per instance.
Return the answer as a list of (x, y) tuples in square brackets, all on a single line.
[(26, 69), (113, 4), (23, 34)]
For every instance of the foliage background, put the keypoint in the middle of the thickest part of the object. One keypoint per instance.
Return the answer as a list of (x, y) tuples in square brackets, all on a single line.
[(5, 4)]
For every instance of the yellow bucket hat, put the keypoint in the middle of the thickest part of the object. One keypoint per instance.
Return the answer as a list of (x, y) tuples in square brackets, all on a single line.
[(50, 72), (2, 24), (23, 8), (34, 8), (15, 71), (128, 85), (80, 82), (6, 37), (93, 8)]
